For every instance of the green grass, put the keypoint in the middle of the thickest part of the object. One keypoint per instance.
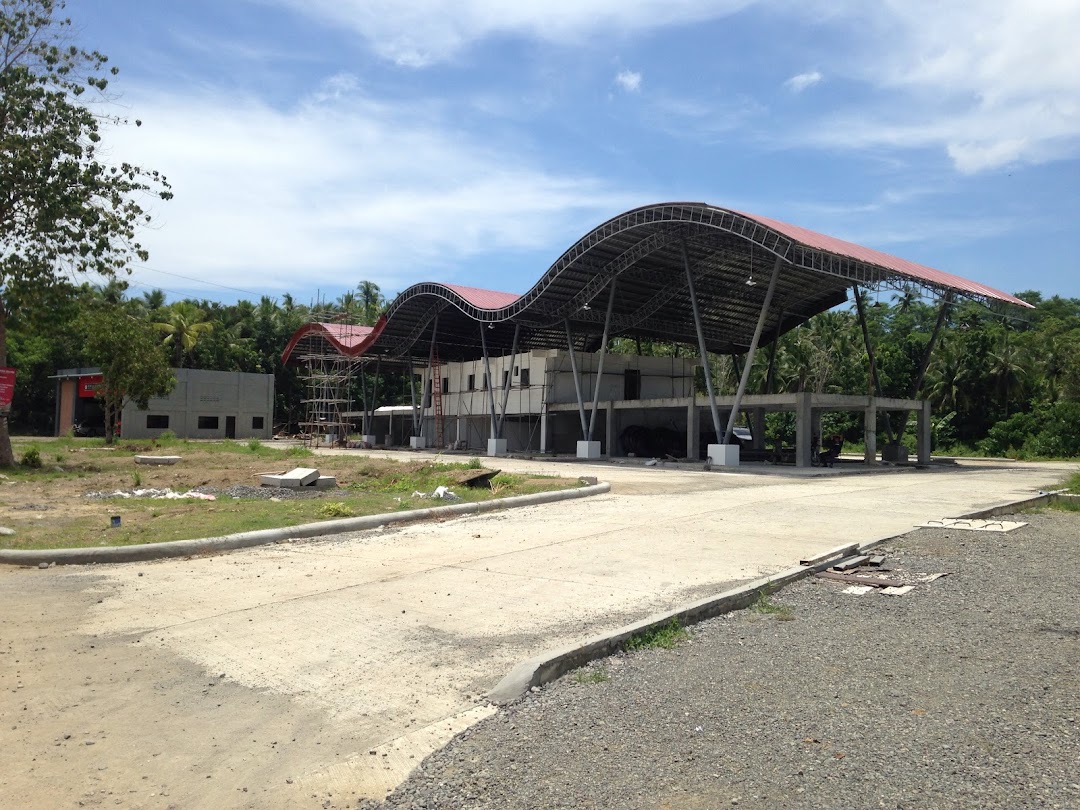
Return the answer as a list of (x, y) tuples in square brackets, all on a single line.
[(596, 675), (663, 637), (1072, 483), (764, 606), (60, 516)]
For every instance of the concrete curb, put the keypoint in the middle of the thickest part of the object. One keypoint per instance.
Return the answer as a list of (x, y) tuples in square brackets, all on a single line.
[(185, 548), (553, 664)]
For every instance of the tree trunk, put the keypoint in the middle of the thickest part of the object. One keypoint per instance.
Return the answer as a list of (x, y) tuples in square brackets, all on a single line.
[(7, 455)]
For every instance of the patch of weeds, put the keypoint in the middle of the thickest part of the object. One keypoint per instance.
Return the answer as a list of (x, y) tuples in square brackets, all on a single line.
[(474, 464), (335, 509), (597, 675), (254, 445), (504, 481), (136, 479), (299, 451), (31, 458), (766, 607), (1073, 484), (664, 637)]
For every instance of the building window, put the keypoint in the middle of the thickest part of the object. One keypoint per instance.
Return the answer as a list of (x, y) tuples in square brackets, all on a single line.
[(208, 423), (515, 371), (257, 422), (506, 378), (631, 384), (484, 388), (157, 421), (446, 385), (472, 382), (524, 378)]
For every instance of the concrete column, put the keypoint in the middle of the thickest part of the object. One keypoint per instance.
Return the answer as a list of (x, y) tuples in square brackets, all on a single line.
[(870, 432), (924, 432), (759, 428), (543, 428), (693, 429), (803, 427), (609, 440), (815, 430)]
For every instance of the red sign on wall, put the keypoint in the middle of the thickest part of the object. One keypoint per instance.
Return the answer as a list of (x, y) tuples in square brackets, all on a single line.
[(7, 387), (88, 386)]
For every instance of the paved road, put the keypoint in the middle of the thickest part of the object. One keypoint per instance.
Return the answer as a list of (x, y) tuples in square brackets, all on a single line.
[(323, 671)]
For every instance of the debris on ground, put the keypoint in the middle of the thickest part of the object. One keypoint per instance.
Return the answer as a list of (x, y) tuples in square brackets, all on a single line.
[(156, 494), (159, 460), (298, 477), (972, 525), (887, 581), (441, 493)]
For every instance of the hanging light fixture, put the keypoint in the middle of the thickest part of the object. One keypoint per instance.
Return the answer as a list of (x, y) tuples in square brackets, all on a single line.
[(750, 279)]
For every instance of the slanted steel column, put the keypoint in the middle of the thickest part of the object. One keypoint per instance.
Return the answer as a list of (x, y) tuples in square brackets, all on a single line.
[(873, 361), (701, 341), (924, 364), (491, 382), (745, 378), (430, 371), (577, 381), (600, 365), (509, 381), (412, 396)]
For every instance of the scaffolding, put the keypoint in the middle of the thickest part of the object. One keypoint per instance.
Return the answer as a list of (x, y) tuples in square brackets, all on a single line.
[(329, 378)]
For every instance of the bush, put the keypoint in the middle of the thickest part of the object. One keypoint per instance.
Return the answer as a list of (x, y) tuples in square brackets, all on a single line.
[(1010, 435), (1059, 436), (31, 458)]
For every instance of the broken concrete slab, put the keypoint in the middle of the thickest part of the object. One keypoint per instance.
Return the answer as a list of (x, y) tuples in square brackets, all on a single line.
[(324, 482), (972, 524), (163, 460), (299, 477)]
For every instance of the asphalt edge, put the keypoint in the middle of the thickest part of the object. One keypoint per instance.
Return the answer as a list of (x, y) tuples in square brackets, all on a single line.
[(553, 664), (304, 531)]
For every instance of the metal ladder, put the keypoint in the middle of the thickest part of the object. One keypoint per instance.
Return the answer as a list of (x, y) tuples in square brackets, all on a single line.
[(436, 398)]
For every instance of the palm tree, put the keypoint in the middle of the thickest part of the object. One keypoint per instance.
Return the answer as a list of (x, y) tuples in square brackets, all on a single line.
[(372, 302), (185, 323)]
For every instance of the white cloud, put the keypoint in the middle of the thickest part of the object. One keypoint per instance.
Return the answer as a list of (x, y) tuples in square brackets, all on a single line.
[(339, 189), (417, 33), (800, 82), (628, 80), (991, 82)]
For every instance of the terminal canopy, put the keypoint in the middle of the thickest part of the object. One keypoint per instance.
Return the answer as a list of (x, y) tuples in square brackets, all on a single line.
[(654, 256)]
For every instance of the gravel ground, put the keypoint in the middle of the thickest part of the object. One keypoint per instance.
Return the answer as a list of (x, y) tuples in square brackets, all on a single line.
[(962, 693)]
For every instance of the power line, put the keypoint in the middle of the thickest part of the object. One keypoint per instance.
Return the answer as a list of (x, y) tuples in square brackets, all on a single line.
[(198, 280)]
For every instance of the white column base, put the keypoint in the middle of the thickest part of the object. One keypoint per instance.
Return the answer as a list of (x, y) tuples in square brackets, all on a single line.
[(369, 439), (496, 447), (723, 455), (389, 441), (589, 450), (418, 442)]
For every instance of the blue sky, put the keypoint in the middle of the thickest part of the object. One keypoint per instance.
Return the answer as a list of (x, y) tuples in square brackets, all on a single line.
[(315, 143)]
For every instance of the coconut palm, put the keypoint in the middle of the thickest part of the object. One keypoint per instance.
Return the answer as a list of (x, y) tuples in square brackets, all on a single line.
[(184, 324)]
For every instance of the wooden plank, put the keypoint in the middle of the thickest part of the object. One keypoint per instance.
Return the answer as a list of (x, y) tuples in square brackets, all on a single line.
[(851, 562), (876, 560), (854, 579)]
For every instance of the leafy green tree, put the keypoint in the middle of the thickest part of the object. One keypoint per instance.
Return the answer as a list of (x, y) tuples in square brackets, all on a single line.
[(62, 209), (134, 365), (184, 324)]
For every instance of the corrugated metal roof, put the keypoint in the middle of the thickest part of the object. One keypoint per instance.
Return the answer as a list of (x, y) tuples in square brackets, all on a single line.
[(645, 252), (917, 272), (484, 299)]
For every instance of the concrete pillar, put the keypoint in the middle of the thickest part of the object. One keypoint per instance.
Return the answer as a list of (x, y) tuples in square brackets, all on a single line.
[(815, 430), (924, 432), (609, 440), (759, 429), (803, 428), (693, 430), (543, 428), (870, 432)]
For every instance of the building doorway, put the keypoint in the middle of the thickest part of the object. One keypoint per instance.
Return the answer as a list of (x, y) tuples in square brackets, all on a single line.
[(230, 427)]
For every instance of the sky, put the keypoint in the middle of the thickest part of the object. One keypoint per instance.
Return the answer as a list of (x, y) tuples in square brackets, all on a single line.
[(312, 144)]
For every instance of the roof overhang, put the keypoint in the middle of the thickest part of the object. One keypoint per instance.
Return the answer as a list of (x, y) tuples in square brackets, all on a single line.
[(645, 253)]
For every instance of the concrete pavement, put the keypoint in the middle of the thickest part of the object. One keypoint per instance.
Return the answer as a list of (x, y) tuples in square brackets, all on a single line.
[(396, 635)]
